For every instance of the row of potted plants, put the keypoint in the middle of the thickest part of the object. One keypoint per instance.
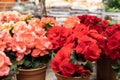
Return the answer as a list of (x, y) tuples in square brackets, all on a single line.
[(78, 43), (28, 43), (24, 44)]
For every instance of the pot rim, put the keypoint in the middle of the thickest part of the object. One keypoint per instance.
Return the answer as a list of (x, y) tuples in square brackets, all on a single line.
[(70, 77), (32, 69)]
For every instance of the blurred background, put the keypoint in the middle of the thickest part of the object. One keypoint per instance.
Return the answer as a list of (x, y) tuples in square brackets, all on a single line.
[(73, 7), (60, 9)]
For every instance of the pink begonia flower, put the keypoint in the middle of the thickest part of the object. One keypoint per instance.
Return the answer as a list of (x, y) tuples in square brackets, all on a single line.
[(5, 39), (2, 46), (39, 44), (38, 52), (19, 56), (42, 43), (10, 16), (28, 51), (71, 21), (46, 20), (4, 64), (7, 26), (40, 31), (28, 42), (34, 22), (18, 26), (28, 39), (42, 53), (20, 47)]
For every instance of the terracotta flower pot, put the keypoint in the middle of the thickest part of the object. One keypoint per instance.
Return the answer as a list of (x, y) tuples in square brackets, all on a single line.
[(60, 77), (104, 69), (32, 74)]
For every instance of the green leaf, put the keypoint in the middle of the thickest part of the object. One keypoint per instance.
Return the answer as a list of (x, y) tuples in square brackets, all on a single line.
[(118, 62), (37, 64), (27, 63), (20, 62), (76, 58), (89, 65), (52, 54), (112, 23), (13, 70), (73, 58), (118, 75), (115, 68), (11, 33), (113, 6), (48, 25)]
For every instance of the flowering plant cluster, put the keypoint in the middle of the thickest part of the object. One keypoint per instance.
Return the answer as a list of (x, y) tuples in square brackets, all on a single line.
[(26, 41), (94, 22), (23, 41), (76, 47), (113, 46), (113, 43), (4, 64)]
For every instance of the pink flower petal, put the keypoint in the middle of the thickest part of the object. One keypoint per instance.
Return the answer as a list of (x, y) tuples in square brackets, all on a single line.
[(28, 51), (20, 47), (1, 60), (35, 52), (7, 60), (5, 70), (19, 56)]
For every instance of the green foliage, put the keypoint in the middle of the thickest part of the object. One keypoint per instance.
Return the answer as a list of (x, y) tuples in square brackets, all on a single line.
[(12, 56), (11, 33), (13, 67), (79, 60), (117, 69), (53, 54), (48, 25), (30, 63), (112, 6), (28, 18), (89, 65), (13, 70)]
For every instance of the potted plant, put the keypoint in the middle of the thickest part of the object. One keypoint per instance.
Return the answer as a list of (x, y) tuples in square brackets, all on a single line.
[(112, 48), (101, 26), (32, 48), (75, 47), (8, 69), (8, 63), (68, 65), (28, 47), (108, 55)]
